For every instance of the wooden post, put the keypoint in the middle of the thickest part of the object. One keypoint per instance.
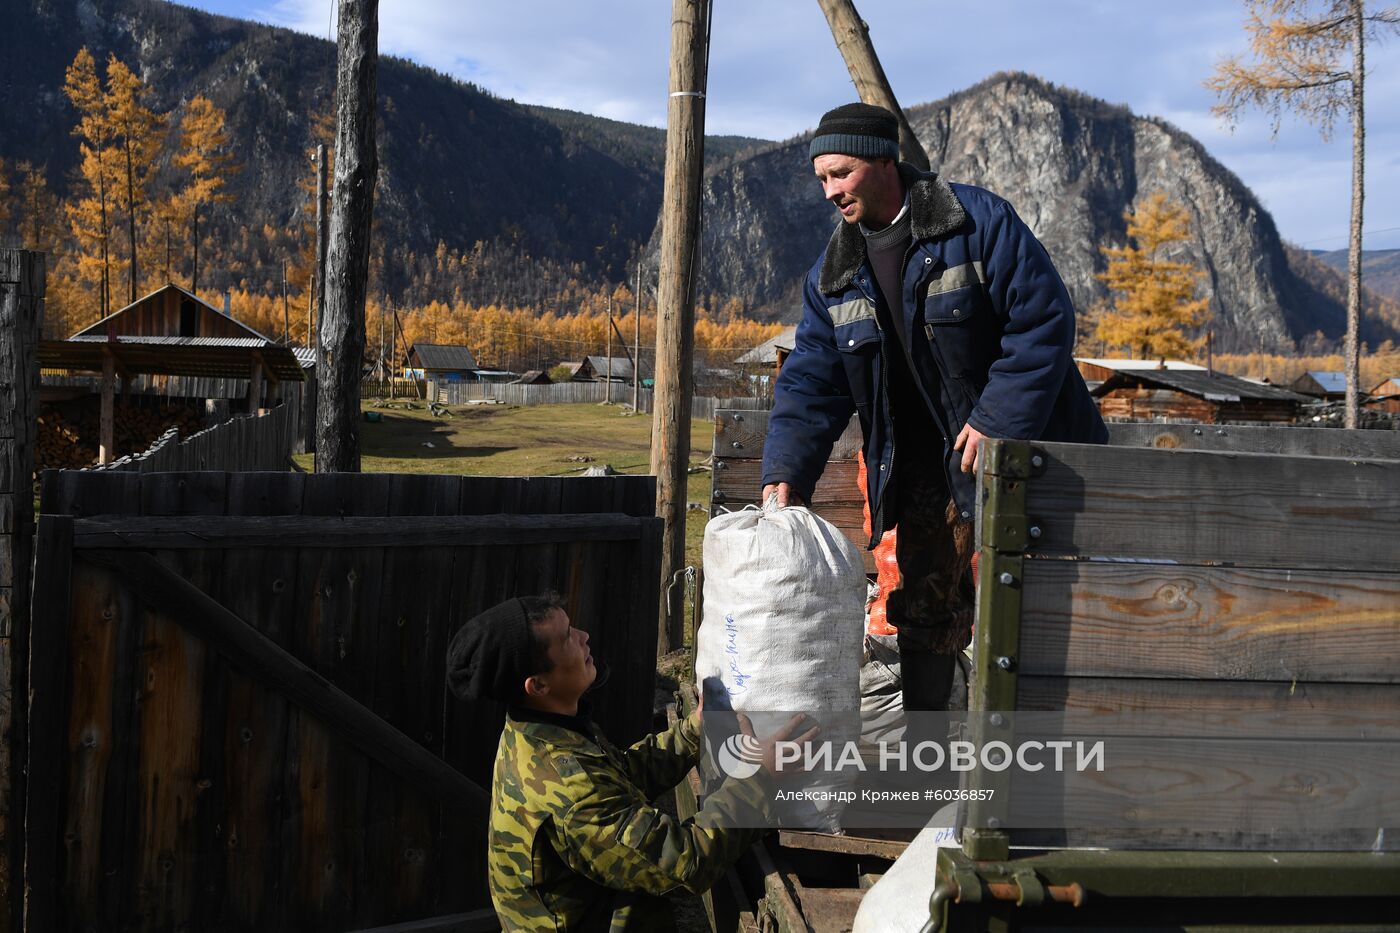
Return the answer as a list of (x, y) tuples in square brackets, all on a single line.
[(637, 343), (318, 274), (675, 324), (1351, 351), (22, 281), (286, 314), (106, 427), (255, 380), (347, 252), (853, 40), (610, 327)]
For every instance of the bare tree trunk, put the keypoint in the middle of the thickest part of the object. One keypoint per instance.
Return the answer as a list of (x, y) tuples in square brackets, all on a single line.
[(1352, 363), (347, 254), (853, 39), (131, 222), (194, 238), (637, 344), (323, 214), (675, 313)]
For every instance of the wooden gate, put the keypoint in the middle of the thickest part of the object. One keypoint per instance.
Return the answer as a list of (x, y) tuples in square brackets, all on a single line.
[(239, 718)]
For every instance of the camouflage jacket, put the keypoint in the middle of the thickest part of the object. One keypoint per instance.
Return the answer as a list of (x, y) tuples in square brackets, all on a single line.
[(575, 843)]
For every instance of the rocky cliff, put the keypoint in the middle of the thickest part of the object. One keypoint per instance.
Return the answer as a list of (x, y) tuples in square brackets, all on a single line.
[(1071, 165)]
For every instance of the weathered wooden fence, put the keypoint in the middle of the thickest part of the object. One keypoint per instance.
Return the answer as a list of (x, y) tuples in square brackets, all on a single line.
[(563, 393), (244, 442), (161, 386), (240, 714), (21, 316), (1224, 587), (740, 435)]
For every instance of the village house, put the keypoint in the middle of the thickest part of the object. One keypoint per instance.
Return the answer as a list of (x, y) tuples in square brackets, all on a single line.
[(1386, 396), (1322, 384), (1193, 395)]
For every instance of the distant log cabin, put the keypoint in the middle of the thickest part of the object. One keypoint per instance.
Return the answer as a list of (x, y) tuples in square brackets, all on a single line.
[(1193, 395), (1386, 396), (439, 362), (1096, 371), (1328, 386)]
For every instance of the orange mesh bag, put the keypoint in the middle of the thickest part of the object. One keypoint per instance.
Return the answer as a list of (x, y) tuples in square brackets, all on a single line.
[(886, 567)]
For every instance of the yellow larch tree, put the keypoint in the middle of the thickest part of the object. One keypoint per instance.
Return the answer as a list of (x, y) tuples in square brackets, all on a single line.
[(204, 154), (89, 210), (1300, 50), (136, 134), (1155, 300)]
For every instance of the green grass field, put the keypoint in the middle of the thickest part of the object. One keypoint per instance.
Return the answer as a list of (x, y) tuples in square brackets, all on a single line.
[(512, 440)]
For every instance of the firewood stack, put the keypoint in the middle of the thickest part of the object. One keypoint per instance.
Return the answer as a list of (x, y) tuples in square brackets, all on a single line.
[(69, 433)]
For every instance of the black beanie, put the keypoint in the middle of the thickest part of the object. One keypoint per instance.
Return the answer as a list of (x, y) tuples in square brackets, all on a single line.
[(489, 657), (858, 130)]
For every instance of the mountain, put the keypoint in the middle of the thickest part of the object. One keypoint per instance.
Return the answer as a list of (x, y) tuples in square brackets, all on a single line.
[(524, 198), (457, 164), (1071, 165), (1380, 268)]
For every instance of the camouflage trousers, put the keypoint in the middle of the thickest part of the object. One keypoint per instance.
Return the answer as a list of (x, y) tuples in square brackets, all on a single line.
[(933, 604)]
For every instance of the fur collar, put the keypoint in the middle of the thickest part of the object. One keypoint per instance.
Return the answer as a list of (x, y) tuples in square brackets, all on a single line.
[(934, 211)]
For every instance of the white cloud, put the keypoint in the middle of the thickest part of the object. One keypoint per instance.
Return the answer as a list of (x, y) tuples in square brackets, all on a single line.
[(774, 69)]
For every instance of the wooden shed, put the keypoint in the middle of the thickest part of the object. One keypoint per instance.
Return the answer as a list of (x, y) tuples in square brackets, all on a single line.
[(533, 377), (1191, 395), (1099, 370), (1323, 384), (596, 369), (170, 311), (1386, 396), (438, 362)]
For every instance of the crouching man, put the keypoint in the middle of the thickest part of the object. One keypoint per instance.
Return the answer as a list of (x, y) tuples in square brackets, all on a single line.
[(575, 842)]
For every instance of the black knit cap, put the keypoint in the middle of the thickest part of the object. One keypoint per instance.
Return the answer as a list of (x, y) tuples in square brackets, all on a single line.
[(858, 130), (489, 657)]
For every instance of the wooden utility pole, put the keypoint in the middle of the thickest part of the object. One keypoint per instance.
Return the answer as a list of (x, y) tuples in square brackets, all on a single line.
[(316, 303), (22, 282), (637, 343), (342, 341), (675, 314), (610, 330), (853, 40), (286, 314), (1352, 343)]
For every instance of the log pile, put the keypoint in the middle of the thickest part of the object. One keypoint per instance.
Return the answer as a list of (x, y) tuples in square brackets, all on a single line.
[(69, 433)]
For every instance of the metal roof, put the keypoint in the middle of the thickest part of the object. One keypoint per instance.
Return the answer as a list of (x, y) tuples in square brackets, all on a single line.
[(443, 356), (767, 352), (215, 357), (621, 366), (166, 341), (1212, 386), (1330, 382), (1137, 365)]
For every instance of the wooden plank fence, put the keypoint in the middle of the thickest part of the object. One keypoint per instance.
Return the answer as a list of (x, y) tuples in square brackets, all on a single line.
[(22, 282), (161, 386), (566, 393), (260, 442), (1229, 587), (241, 715)]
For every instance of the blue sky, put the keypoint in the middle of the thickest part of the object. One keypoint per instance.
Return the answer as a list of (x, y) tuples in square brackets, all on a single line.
[(774, 69)]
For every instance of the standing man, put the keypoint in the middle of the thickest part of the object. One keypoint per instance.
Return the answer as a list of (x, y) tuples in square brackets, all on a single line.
[(938, 318)]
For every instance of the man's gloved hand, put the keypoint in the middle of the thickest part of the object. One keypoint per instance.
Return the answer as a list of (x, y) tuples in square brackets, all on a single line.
[(783, 491)]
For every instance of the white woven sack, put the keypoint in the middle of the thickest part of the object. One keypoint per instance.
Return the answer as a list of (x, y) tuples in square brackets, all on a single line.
[(899, 901), (784, 617)]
